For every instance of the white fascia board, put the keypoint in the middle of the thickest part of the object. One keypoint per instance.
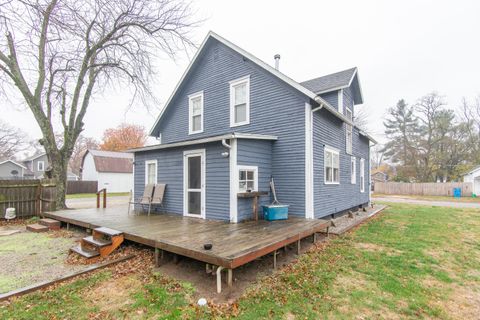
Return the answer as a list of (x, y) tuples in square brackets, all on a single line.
[(15, 163)]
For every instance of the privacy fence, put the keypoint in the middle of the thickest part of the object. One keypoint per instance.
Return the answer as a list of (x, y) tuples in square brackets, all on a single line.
[(423, 189), (28, 197), (74, 187)]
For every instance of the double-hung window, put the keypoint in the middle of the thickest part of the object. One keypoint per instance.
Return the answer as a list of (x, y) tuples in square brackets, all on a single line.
[(332, 166), (362, 175), (240, 101), (349, 133), (150, 171), (353, 170), (195, 113), (247, 178), (40, 166)]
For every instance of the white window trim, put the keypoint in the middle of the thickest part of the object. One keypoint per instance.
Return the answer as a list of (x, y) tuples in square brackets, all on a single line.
[(148, 162), (191, 97), (335, 151), (233, 84), (203, 185), (255, 176), (349, 128), (353, 170), (362, 175), (340, 101), (43, 166)]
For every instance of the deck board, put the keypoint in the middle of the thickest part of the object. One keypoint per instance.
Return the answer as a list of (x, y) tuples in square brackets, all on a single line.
[(233, 244)]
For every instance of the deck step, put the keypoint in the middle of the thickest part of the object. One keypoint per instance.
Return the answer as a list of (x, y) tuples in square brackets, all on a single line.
[(87, 253), (97, 242), (37, 228), (107, 231), (50, 223)]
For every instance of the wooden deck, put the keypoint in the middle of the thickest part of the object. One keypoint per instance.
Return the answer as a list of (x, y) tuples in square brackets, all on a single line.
[(233, 244)]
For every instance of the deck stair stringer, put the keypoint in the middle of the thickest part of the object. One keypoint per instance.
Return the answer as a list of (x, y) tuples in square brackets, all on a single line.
[(102, 242)]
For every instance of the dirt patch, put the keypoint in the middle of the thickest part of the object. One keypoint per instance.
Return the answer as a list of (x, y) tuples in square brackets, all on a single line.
[(372, 247), (113, 295)]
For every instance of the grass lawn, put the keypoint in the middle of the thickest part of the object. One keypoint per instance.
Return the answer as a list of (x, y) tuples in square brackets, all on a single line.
[(431, 198), (94, 195), (409, 262)]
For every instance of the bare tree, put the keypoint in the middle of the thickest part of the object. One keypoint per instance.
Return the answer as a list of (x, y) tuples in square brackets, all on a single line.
[(81, 146), (12, 140), (57, 54)]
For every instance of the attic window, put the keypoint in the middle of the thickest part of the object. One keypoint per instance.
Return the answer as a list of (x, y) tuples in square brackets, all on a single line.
[(349, 133), (240, 101), (40, 166), (195, 113)]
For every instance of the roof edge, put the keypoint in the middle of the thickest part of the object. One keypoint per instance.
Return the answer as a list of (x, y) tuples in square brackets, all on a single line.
[(14, 162)]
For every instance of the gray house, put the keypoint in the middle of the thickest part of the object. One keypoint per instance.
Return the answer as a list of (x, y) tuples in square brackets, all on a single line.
[(36, 165), (10, 169), (234, 121)]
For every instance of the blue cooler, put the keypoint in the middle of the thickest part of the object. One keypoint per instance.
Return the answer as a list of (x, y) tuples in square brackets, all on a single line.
[(275, 212)]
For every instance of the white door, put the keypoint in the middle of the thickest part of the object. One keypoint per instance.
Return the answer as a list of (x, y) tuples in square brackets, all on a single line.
[(194, 183)]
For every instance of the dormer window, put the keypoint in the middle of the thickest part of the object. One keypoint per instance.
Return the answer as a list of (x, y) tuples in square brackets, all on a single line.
[(240, 101), (195, 113)]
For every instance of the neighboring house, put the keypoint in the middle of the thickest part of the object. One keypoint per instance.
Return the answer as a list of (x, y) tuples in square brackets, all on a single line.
[(10, 169), (473, 177), (37, 165), (112, 170), (379, 177), (234, 121)]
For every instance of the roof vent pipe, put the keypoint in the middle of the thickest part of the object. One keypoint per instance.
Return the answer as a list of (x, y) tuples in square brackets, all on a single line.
[(277, 61)]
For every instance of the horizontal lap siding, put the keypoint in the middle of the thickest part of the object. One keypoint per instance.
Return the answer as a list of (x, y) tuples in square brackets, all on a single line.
[(170, 171), (275, 108), (348, 99), (329, 199), (255, 153), (331, 98)]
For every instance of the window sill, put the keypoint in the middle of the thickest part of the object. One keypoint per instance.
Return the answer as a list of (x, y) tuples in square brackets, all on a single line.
[(195, 132), (332, 183), (232, 125)]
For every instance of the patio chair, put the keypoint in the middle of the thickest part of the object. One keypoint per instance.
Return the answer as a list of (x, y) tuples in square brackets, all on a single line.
[(145, 199), (157, 198)]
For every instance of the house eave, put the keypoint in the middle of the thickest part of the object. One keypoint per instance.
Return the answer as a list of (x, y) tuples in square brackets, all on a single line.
[(233, 135), (15, 163)]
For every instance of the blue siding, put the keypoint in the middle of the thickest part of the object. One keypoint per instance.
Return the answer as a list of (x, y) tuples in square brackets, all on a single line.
[(170, 171), (331, 98), (348, 99), (275, 108), (329, 199), (255, 153)]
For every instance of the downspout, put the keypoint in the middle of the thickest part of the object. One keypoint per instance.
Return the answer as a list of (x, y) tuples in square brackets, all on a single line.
[(225, 144)]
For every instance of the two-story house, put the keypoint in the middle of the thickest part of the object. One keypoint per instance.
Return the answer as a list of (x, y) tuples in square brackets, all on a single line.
[(234, 121)]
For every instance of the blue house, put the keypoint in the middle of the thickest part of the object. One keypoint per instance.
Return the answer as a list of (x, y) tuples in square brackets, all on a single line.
[(234, 121)]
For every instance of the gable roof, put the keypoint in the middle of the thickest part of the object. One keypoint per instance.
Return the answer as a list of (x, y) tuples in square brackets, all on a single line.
[(212, 35), (15, 163), (336, 81), (35, 156), (111, 161), (472, 171)]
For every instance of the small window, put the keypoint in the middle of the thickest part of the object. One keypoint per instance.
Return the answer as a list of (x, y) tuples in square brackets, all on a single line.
[(340, 101), (247, 178), (195, 113), (349, 133), (332, 166), (240, 102), (151, 172), (353, 170), (362, 175), (40, 166)]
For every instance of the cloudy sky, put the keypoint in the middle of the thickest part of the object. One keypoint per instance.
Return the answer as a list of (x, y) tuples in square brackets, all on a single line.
[(403, 49)]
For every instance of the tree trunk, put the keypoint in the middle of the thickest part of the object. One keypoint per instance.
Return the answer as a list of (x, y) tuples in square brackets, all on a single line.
[(58, 172)]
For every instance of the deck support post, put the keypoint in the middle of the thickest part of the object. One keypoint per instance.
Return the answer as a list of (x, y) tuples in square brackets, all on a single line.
[(68, 225), (314, 237), (175, 258), (219, 279), (298, 246), (208, 268), (275, 259), (230, 278), (328, 232)]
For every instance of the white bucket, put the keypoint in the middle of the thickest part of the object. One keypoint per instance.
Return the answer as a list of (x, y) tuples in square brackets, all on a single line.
[(10, 213)]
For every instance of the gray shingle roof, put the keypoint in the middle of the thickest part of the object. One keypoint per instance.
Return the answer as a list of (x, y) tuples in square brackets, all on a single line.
[(330, 81)]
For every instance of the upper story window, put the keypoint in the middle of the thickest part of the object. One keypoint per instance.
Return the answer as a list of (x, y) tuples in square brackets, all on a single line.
[(240, 101), (40, 166), (247, 178), (150, 171), (349, 133), (362, 175), (332, 166), (195, 113), (340, 101), (353, 170)]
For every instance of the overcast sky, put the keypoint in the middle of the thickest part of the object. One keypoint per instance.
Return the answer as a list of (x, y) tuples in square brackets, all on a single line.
[(403, 49)]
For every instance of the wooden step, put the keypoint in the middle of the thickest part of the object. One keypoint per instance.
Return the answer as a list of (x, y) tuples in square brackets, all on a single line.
[(97, 242), (106, 231), (84, 252), (50, 223), (37, 228)]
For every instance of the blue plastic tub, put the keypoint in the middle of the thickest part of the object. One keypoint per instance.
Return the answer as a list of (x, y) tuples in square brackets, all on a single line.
[(457, 192), (275, 212)]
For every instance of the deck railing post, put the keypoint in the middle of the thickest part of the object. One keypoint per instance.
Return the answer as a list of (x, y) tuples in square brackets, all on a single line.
[(104, 198)]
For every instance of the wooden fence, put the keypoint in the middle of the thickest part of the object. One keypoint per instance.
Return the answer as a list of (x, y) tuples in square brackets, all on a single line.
[(28, 197), (423, 189), (74, 187)]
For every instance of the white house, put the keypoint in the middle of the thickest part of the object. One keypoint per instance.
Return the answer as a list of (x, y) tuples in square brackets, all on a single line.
[(112, 170), (474, 177)]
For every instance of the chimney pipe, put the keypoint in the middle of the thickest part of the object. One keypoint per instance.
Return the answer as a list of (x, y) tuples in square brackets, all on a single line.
[(277, 61)]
